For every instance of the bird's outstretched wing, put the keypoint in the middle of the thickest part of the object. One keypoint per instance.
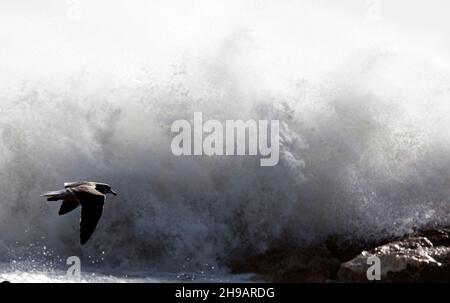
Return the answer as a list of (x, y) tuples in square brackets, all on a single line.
[(90, 215), (92, 202), (78, 183), (68, 206)]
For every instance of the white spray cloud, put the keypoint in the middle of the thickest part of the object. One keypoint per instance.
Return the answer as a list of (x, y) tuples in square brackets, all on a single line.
[(363, 115)]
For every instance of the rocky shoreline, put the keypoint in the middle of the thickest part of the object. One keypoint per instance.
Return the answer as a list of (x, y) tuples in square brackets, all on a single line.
[(423, 256)]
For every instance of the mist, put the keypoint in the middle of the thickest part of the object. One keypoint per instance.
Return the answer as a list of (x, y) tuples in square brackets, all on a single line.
[(362, 104)]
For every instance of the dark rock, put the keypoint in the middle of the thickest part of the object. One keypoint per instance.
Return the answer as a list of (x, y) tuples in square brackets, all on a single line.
[(413, 259), (423, 256), (437, 236)]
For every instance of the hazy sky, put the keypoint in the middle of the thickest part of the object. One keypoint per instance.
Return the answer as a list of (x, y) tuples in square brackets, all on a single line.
[(47, 37)]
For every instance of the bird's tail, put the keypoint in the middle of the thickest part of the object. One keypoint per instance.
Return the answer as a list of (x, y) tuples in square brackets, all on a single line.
[(55, 195)]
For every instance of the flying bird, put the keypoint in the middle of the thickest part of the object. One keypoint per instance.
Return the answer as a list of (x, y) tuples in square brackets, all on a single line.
[(90, 195)]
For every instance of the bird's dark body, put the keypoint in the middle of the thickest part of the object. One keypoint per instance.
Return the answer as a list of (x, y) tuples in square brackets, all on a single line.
[(91, 197)]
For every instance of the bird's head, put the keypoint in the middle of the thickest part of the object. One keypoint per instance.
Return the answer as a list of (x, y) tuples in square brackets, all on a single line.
[(105, 188)]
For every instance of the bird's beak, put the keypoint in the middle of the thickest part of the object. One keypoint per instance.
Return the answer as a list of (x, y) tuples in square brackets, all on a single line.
[(113, 192)]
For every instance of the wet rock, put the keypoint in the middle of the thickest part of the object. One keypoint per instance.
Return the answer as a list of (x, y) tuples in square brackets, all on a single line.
[(437, 236), (414, 259), (423, 256)]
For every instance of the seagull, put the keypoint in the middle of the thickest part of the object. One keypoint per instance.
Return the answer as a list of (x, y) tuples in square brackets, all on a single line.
[(90, 195)]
